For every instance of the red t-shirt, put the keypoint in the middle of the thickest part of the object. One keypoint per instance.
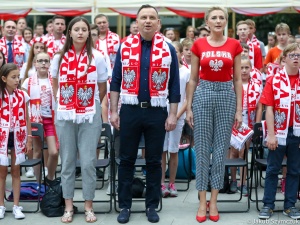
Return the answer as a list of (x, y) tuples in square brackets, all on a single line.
[(267, 96), (258, 62), (216, 62)]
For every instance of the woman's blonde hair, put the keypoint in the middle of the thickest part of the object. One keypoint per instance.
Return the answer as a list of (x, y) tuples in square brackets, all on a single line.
[(214, 8)]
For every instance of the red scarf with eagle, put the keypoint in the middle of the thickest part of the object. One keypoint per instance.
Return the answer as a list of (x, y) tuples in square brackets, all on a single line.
[(18, 51), (160, 61), (18, 121), (112, 44), (34, 91), (253, 96), (52, 47), (77, 85), (282, 100)]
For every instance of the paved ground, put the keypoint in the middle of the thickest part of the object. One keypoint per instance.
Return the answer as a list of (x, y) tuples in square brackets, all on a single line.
[(176, 211)]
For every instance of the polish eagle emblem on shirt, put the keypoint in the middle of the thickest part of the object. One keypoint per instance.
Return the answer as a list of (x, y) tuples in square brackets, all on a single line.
[(85, 94), (67, 92), (159, 78), (216, 65), (280, 117), (252, 118), (129, 77), (19, 59)]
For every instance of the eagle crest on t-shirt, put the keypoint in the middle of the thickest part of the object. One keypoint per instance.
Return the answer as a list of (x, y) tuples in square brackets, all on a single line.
[(216, 65)]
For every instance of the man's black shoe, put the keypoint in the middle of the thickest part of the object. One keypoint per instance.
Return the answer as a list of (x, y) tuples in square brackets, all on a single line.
[(124, 216), (152, 215)]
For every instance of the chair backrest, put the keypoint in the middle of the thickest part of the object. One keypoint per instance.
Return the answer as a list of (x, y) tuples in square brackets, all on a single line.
[(106, 131), (257, 139), (38, 130)]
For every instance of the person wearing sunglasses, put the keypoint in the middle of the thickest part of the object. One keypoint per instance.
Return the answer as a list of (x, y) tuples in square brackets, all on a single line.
[(283, 133)]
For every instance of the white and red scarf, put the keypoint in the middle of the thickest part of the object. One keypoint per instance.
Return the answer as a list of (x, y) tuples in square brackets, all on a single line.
[(19, 126), (251, 52), (159, 71), (18, 51), (282, 109), (112, 45), (184, 63), (34, 91), (272, 69), (52, 48), (240, 136), (256, 76), (77, 85), (253, 96), (255, 41)]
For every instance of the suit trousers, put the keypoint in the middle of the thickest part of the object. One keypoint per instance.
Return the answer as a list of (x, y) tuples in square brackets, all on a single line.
[(134, 121)]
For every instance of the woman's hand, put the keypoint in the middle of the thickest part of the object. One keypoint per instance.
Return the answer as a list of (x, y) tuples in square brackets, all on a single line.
[(190, 118), (238, 120)]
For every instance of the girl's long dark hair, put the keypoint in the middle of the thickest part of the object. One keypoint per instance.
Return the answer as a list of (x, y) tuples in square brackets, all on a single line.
[(69, 40), (4, 71)]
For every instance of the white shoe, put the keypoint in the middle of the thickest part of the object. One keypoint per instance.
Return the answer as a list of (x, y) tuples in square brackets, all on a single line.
[(108, 189), (46, 171), (29, 173), (2, 212), (17, 211)]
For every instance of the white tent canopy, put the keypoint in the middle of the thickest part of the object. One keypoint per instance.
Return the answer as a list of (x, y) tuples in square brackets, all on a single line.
[(188, 8)]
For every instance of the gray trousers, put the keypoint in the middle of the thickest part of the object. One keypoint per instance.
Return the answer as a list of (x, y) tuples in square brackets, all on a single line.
[(214, 107), (82, 138)]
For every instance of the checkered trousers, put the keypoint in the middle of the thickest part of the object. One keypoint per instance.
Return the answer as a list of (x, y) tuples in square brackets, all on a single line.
[(214, 107)]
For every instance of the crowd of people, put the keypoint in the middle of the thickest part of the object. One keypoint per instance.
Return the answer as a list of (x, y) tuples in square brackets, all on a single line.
[(147, 84)]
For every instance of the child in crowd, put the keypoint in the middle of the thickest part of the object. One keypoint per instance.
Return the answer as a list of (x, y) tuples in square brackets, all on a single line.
[(187, 54), (172, 138), (15, 133), (282, 31), (39, 88), (281, 96), (252, 112)]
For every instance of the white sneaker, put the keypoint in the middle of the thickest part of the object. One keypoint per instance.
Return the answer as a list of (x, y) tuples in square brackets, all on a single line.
[(29, 173), (108, 189), (2, 212), (17, 211), (46, 171)]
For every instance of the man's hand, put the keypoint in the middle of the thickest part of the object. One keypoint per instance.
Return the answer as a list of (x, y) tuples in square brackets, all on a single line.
[(171, 122), (115, 120)]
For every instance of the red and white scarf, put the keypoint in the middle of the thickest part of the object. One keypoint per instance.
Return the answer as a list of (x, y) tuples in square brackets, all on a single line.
[(251, 52), (160, 61), (240, 136), (184, 63), (34, 91), (282, 110), (52, 48), (253, 96), (255, 41), (18, 51), (112, 45), (272, 69), (19, 126), (77, 85), (256, 76)]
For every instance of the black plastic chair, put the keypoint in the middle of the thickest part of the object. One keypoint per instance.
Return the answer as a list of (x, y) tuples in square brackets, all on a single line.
[(138, 163)]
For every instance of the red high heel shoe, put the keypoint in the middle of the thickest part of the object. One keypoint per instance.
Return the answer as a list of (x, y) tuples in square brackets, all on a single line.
[(213, 218), (201, 219)]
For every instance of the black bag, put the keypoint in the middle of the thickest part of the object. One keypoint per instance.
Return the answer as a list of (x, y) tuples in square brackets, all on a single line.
[(226, 185), (138, 188), (53, 204)]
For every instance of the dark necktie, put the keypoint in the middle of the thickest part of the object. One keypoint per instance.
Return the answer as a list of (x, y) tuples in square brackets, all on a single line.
[(10, 56)]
